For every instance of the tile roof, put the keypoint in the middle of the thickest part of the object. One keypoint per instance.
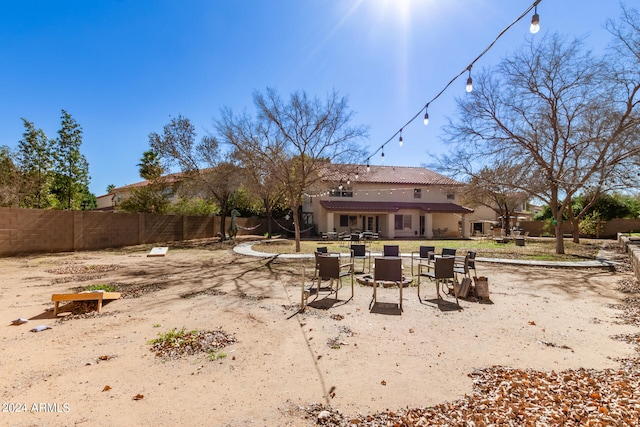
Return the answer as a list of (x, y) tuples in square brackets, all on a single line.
[(409, 175), (170, 179), (354, 206)]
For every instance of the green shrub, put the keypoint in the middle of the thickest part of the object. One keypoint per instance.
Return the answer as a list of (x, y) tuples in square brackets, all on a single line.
[(100, 287)]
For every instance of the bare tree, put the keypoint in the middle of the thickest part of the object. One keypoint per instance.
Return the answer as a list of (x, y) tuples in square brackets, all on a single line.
[(486, 188), (205, 171), (293, 141), (260, 184), (552, 110)]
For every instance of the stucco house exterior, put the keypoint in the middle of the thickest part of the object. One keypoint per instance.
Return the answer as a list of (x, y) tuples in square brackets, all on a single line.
[(486, 221), (394, 201), (109, 201)]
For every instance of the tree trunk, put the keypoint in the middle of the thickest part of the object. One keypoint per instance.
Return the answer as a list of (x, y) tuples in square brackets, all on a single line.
[(223, 223), (507, 222), (557, 214), (269, 225), (223, 232), (559, 237), (267, 208), (296, 226), (575, 229)]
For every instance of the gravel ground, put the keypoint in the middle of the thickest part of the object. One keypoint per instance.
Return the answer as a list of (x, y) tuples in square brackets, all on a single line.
[(503, 396)]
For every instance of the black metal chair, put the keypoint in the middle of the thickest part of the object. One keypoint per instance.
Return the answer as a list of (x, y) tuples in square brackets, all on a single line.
[(391, 250), (442, 271), (360, 252), (425, 254), (329, 267), (448, 252), (387, 270), (321, 251)]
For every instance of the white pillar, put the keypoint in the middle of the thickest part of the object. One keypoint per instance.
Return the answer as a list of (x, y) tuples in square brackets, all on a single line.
[(428, 225), (330, 223), (464, 227), (391, 226)]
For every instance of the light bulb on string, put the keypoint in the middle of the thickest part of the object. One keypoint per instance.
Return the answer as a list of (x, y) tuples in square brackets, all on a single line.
[(400, 142), (469, 81), (535, 21)]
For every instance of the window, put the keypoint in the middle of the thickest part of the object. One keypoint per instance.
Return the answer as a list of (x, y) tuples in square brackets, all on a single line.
[(451, 196), (417, 193), (348, 220), (402, 222), (344, 192)]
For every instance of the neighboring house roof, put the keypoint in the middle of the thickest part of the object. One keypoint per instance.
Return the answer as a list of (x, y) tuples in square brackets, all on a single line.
[(170, 179), (353, 206), (407, 175)]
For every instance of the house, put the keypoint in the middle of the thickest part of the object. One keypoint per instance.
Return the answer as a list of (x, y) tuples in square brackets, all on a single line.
[(108, 202), (487, 221), (393, 201)]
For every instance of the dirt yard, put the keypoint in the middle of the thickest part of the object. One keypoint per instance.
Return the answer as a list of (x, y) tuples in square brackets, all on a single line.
[(285, 367)]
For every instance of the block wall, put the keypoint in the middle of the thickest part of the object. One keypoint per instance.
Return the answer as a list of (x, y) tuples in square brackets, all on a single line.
[(35, 230)]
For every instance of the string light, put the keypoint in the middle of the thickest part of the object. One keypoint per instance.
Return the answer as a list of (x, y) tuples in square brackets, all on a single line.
[(534, 21), (379, 191), (400, 143)]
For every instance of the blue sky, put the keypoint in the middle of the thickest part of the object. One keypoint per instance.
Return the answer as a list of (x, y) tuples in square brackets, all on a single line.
[(122, 68)]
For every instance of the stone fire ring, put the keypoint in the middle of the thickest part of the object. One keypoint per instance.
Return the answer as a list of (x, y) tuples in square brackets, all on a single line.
[(367, 280)]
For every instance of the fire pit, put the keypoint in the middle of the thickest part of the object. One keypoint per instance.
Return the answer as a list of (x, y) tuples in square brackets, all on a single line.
[(367, 280)]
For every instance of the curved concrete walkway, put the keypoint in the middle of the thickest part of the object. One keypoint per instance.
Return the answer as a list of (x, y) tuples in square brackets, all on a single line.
[(603, 260)]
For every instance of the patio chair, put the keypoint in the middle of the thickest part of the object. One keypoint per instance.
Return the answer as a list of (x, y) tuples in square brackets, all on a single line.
[(443, 271), (329, 267), (461, 266), (387, 270), (360, 252), (390, 250), (471, 262), (320, 250), (355, 237), (425, 254), (448, 252)]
